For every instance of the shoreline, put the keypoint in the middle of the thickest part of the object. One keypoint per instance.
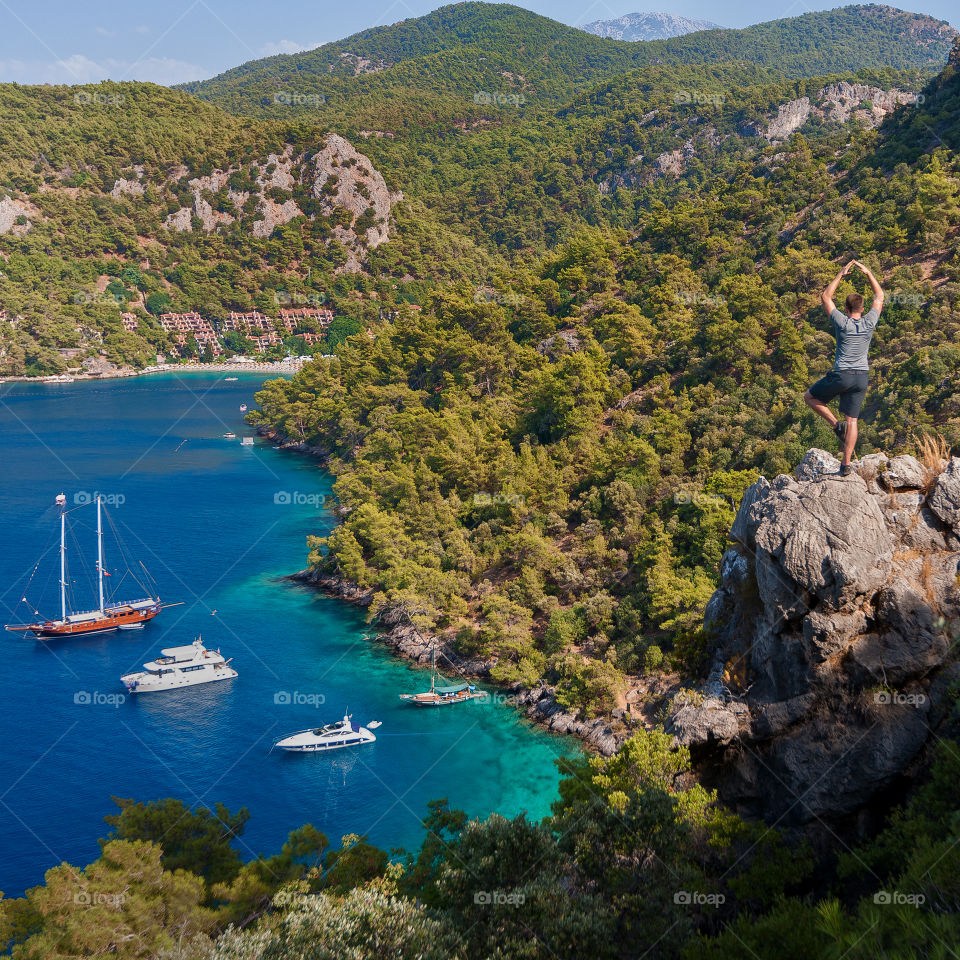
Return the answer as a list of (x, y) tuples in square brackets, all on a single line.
[(120, 373), (538, 703)]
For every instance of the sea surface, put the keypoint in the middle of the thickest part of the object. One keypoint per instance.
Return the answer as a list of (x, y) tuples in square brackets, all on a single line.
[(217, 525)]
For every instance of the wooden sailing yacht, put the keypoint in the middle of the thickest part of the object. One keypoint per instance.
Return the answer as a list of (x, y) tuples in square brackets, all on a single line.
[(443, 695), (109, 614)]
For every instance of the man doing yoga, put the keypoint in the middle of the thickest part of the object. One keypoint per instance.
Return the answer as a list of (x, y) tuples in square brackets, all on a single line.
[(848, 378)]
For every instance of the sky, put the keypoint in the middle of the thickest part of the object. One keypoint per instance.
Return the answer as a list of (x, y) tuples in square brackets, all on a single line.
[(172, 41)]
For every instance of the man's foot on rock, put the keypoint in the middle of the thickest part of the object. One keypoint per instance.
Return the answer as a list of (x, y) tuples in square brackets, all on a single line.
[(846, 469)]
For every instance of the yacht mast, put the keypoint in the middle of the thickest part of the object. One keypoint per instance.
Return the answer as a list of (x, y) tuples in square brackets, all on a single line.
[(100, 554), (63, 564)]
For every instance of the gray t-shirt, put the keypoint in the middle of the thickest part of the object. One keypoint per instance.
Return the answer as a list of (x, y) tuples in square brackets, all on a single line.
[(853, 339)]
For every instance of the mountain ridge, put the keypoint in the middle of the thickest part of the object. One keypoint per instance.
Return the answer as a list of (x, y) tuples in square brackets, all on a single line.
[(647, 26), (554, 60)]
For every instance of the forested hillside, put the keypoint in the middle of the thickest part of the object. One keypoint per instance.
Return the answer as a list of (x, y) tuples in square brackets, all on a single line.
[(594, 303), (135, 198), (132, 198), (546, 473)]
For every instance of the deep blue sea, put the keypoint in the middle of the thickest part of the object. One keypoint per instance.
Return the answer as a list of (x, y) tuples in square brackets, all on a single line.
[(216, 524)]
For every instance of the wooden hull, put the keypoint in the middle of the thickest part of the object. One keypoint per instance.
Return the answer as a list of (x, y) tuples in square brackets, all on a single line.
[(434, 700), (113, 620)]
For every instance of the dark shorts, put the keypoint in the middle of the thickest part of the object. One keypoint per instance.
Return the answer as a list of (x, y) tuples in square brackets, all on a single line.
[(849, 385)]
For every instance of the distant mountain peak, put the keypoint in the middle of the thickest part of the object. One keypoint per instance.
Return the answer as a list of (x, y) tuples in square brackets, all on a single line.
[(647, 26)]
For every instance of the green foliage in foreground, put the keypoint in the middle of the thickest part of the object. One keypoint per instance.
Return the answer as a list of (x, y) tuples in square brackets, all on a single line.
[(635, 861)]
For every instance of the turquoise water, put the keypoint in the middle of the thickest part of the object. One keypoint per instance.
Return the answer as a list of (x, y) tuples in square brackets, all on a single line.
[(217, 525)]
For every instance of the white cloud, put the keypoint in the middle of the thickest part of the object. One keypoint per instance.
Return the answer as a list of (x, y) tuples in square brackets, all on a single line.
[(272, 48), (81, 69), (104, 32)]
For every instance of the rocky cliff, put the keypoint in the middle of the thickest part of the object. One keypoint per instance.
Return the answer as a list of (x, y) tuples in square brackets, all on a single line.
[(342, 183), (697, 135), (834, 639), (836, 103)]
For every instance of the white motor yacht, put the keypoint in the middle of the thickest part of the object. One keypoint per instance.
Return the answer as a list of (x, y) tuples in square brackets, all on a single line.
[(344, 733), (180, 667)]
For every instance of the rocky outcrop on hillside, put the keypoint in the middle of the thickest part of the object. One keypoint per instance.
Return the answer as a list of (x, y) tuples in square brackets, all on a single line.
[(836, 103), (834, 638), (344, 179), (16, 216), (340, 180), (790, 118), (131, 188)]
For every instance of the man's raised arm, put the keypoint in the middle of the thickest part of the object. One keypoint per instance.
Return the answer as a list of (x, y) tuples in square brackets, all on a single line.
[(826, 298), (875, 285)]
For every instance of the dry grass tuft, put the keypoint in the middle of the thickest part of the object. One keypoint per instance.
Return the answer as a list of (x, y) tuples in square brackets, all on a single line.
[(934, 453)]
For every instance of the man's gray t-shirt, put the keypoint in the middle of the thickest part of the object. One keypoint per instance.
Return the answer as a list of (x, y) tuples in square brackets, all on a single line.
[(853, 339)]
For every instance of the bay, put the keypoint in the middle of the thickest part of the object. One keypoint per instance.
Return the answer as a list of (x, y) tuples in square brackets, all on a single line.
[(218, 525)]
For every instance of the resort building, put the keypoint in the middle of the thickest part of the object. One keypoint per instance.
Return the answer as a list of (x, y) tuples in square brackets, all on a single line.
[(294, 318), (181, 325), (246, 323)]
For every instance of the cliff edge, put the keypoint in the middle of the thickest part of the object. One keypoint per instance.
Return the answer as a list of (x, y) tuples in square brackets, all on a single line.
[(833, 639)]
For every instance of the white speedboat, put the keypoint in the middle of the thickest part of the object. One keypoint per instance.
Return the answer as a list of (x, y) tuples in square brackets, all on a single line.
[(344, 733), (180, 667)]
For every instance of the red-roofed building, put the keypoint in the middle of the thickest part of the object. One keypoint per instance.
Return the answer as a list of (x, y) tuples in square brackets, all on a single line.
[(295, 317), (181, 325), (246, 322)]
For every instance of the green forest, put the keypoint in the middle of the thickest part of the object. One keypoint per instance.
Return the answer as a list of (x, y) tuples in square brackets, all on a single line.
[(493, 172), (544, 396), (546, 472)]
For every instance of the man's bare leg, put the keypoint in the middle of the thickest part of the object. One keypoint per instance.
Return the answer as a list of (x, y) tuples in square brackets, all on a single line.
[(849, 440), (814, 404)]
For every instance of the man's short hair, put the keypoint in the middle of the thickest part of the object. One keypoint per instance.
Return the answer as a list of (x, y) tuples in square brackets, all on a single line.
[(854, 303)]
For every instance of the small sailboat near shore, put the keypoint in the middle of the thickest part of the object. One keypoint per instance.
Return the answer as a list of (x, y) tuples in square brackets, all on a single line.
[(443, 695), (110, 613)]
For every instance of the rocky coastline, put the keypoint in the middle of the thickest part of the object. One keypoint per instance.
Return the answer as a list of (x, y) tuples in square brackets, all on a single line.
[(604, 735)]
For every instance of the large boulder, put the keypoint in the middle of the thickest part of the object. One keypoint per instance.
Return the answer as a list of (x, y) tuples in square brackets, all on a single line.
[(712, 721), (944, 499), (831, 631), (825, 541), (905, 472)]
